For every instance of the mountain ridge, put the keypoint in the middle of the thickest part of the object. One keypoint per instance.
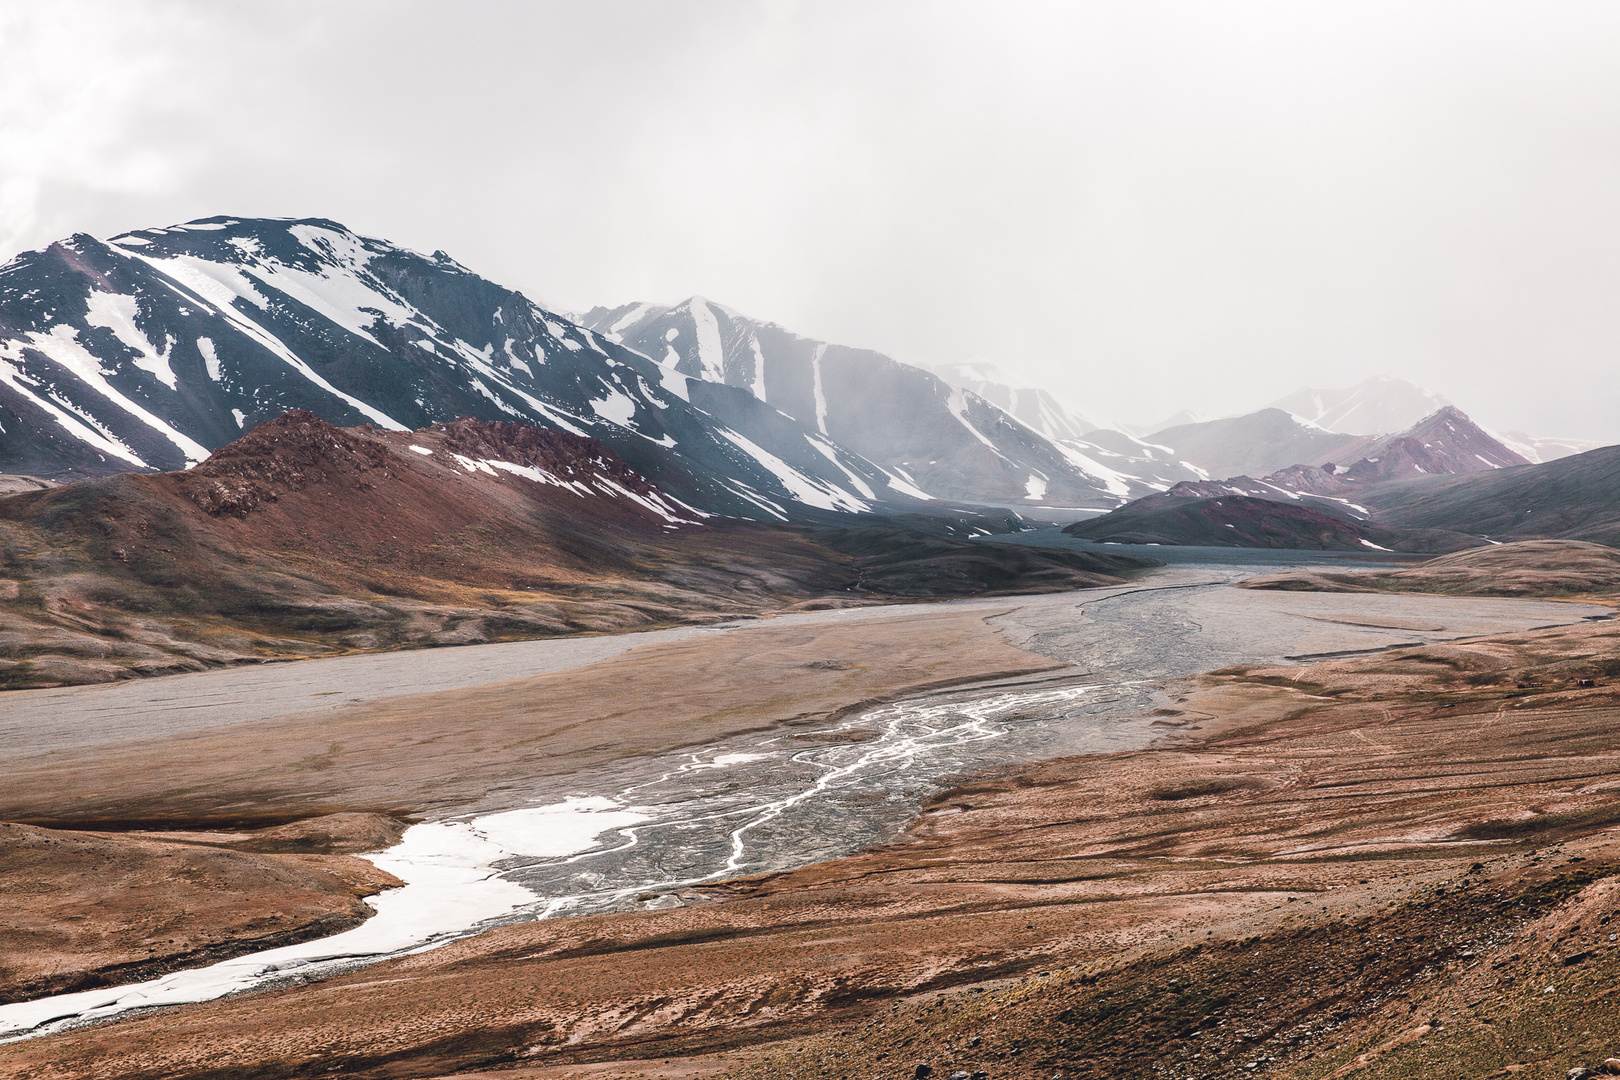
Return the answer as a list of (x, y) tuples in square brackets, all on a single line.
[(945, 439), (151, 349), (1377, 406)]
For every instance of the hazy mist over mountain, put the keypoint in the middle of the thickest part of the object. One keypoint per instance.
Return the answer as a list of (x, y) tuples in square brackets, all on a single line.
[(1140, 208)]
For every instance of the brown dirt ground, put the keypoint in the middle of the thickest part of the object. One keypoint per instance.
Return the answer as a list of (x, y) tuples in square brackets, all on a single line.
[(1564, 568), (1367, 867), (424, 753), (80, 910)]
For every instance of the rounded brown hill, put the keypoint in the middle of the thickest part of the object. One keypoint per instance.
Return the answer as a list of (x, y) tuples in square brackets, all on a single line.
[(1525, 568), (451, 502), (298, 449)]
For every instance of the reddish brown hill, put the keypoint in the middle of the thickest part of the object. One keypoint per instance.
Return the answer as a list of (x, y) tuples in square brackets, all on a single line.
[(479, 504)]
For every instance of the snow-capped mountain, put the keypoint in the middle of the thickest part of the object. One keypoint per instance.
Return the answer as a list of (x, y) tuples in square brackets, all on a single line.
[(1034, 406), (1375, 407), (944, 440), (149, 350), (1444, 442), (1272, 441)]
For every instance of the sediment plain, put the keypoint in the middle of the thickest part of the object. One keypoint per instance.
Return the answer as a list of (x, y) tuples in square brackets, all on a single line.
[(1335, 785)]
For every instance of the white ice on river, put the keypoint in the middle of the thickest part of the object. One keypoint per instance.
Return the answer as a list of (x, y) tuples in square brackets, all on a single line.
[(451, 886)]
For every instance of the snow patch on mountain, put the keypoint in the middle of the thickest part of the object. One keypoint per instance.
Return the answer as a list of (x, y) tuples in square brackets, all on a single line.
[(217, 285), (116, 312), (711, 355), (904, 486), (805, 489), (758, 386), (826, 450), (63, 346), (76, 424), (615, 408), (821, 394), (205, 349)]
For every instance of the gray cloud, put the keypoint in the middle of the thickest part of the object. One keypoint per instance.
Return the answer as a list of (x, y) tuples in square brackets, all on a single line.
[(1146, 206)]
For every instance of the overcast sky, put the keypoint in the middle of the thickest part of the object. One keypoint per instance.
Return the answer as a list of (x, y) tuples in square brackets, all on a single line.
[(1143, 206)]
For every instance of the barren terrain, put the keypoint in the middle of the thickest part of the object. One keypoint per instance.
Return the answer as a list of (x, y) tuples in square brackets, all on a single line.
[(85, 909), (1526, 568), (416, 754), (1371, 865)]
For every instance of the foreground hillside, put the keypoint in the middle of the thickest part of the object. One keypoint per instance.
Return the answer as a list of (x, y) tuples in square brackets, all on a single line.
[(1306, 880), (305, 539)]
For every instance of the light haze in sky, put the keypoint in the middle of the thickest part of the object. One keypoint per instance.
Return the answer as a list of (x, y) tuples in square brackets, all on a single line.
[(1142, 206)]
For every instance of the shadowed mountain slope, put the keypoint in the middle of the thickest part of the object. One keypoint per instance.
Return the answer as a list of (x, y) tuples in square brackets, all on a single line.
[(1572, 498)]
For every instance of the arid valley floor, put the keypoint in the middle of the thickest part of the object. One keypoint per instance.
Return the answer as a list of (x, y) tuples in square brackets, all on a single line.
[(1275, 830)]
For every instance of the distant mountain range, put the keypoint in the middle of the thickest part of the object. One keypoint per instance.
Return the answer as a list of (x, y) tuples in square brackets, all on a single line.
[(1036, 407), (1446, 441), (149, 351), (1441, 485)]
